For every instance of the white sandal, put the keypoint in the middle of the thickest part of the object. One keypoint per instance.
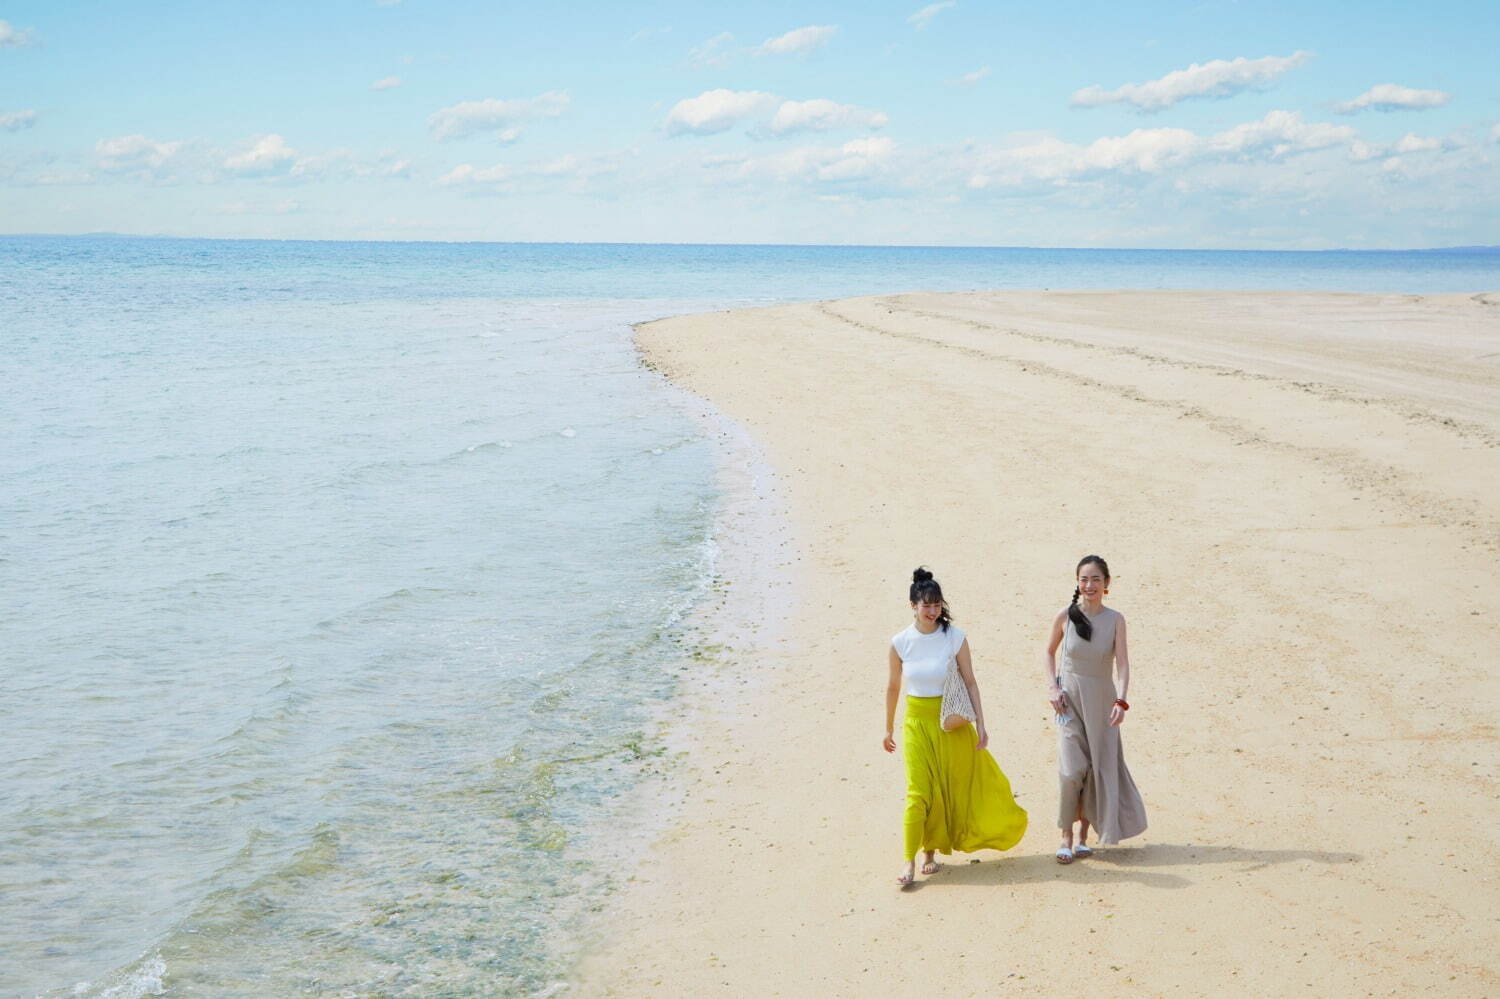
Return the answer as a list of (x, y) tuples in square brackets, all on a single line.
[(1083, 851), (1064, 855)]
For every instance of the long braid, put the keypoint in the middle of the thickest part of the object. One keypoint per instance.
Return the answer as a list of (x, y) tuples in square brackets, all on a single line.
[(1081, 624)]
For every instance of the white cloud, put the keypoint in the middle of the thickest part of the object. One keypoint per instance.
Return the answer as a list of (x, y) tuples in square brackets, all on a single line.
[(14, 121), (1145, 150), (393, 167), (135, 154), (858, 159), (793, 164), (317, 166), (1047, 159), (1315, 197), (729, 159), (970, 79), (711, 52), (646, 33), (339, 164), (569, 172), (799, 41), (1412, 143), (263, 158), (1219, 78), (468, 117), (466, 173), (1390, 97), (64, 177), (716, 111), (1280, 133), (1155, 151), (821, 115), (923, 17), (386, 83), (861, 159), (876, 148), (12, 37), (261, 155)]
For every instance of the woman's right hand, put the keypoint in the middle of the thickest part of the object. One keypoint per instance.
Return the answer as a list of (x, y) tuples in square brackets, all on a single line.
[(1058, 699), (888, 743)]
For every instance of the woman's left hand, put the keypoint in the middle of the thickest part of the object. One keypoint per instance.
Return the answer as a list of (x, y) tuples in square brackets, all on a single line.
[(1116, 715), (984, 739)]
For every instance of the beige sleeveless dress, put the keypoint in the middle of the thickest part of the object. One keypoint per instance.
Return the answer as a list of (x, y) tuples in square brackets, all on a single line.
[(1091, 763)]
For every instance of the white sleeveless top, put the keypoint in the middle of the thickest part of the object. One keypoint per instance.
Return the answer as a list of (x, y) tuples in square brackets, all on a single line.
[(925, 658)]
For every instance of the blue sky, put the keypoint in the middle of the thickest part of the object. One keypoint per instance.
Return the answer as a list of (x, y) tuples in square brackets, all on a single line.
[(1215, 124)]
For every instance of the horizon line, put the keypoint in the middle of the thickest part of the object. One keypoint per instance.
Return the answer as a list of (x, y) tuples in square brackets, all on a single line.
[(843, 246)]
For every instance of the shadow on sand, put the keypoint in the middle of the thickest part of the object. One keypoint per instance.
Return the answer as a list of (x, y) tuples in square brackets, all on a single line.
[(1155, 865)]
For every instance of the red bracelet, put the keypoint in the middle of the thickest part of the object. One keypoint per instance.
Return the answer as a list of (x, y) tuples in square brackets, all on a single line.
[(1123, 706)]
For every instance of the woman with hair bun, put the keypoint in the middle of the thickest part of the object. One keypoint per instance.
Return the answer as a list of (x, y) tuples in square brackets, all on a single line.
[(956, 796), (1096, 787)]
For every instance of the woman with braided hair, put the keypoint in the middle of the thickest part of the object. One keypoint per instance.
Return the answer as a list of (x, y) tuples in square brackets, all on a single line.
[(1096, 787), (957, 798)]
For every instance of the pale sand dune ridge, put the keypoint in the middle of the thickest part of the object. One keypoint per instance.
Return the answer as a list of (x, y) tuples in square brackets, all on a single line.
[(1300, 497)]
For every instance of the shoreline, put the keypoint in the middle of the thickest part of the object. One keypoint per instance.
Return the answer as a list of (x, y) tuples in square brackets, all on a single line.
[(731, 625), (1338, 515)]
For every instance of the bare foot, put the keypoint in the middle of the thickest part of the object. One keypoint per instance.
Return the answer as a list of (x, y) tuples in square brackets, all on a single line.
[(931, 866), (908, 875)]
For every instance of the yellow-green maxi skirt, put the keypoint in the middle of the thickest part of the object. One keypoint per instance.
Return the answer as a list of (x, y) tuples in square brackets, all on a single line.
[(957, 798)]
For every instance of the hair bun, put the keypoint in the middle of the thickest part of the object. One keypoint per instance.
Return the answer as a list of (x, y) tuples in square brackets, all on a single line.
[(921, 575)]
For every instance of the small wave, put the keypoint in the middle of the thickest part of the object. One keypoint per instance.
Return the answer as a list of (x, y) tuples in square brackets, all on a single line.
[(257, 735), (341, 480), (379, 606), (280, 671), (567, 432), (486, 446), (242, 451), (420, 593), (130, 464), (270, 723), (681, 442), (193, 585), (240, 908), (68, 431), (141, 978)]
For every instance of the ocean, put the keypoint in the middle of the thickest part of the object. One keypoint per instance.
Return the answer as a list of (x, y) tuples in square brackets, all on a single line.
[(345, 584)]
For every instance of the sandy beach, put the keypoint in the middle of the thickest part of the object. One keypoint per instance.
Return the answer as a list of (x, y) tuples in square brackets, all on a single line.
[(1299, 495)]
